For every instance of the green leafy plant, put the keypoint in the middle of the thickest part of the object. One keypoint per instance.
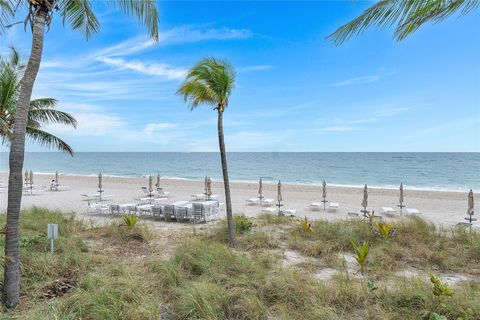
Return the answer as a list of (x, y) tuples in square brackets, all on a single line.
[(440, 288), (130, 220), (242, 224), (436, 316), (361, 255), (27, 241), (385, 229), (306, 226), (371, 286)]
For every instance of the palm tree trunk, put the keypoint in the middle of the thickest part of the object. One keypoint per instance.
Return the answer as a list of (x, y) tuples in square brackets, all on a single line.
[(226, 182), (17, 152)]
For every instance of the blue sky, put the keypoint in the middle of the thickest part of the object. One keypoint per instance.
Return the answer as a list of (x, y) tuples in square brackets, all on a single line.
[(294, 90)]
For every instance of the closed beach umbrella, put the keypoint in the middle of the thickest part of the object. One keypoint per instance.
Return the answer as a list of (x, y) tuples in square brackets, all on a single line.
[(279, 195), (260, 187), (158, 181), (209, 187), (100, 178), (324, 194), (26, 177), (324, 190), (206, 185), (365, 198), (31, 177), (150, 184), (56, 176), (401, 194), (470, 209)]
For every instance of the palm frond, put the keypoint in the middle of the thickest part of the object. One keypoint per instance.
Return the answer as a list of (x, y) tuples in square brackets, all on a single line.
[(80, 16), (6, 13), (144, 10), (45, 115), (405, 15), (43, 103), (210, 81), (48, 140)]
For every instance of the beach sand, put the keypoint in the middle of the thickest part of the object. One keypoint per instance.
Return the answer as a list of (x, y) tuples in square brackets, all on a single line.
[(444, 208)]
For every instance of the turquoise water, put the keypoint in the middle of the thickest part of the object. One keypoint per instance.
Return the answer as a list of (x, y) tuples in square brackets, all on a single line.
[(430, 171)]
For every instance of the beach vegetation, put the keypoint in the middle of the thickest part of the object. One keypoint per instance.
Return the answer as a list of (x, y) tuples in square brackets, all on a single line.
[(405, 16), (242, 223), (306, 225), (361, 254), (385, 229), (130, 220), (80, 16), (180, 276), (211, 82)]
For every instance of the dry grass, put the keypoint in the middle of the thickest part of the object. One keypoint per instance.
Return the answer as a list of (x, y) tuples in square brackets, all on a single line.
[(120, 276)]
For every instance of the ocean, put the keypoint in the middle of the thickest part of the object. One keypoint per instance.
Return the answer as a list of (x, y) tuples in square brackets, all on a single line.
[(423, 171)]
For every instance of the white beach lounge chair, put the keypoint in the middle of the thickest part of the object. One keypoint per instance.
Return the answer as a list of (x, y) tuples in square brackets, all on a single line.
[(253, 201), (412, 211), (315, 206), (289, 212), (333, 206), (270, 210), (266, 202), (388, 211)]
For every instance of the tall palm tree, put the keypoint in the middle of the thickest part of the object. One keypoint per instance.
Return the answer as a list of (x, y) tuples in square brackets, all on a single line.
[(41, 111), (405, 15), (211, 82), (80, 16)]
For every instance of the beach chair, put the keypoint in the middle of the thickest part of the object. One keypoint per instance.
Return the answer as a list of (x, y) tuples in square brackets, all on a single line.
[(333, 206), (169, 212), (316, 206), (412, 211), (98, 208), (289, 212), (157, 212), (114, 208), (270, 210), (197, 196), (198, 214), (352, 215), (144, 209), (253, 201), (266, 202), (388, 211), (181, 214)]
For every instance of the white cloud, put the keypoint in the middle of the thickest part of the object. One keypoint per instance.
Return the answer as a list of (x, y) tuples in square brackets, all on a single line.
[(195, 33), (151, 128), (153, 69), (379, 74), (358, 80)]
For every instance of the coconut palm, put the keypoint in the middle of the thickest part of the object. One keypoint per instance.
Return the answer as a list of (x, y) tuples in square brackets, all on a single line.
[(79, 15), (405, 15), (211, 82), (6, 12), (41, 111)]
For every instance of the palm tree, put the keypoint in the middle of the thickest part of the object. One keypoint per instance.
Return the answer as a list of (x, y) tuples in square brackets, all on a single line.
[(41, 111), (80, 16), (211, 82), (406, 15)]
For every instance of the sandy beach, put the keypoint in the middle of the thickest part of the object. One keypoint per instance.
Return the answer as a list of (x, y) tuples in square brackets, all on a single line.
[(445, 208)]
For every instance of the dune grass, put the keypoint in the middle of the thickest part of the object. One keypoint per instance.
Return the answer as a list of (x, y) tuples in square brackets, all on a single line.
[(119, 275)]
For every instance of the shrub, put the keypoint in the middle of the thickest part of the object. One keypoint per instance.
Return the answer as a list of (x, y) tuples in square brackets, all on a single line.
[(242, 224)]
